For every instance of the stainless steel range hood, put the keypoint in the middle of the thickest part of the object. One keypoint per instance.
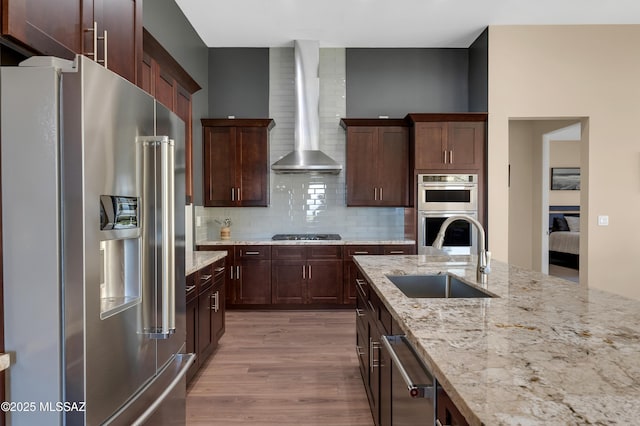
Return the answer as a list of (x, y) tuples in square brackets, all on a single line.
[(306, 156)]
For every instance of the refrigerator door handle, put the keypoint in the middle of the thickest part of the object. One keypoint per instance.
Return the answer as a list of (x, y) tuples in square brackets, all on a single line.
[(158, 219), (168, 238)]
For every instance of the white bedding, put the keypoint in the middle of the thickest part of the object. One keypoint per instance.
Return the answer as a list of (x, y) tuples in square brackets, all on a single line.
[(565, 242)]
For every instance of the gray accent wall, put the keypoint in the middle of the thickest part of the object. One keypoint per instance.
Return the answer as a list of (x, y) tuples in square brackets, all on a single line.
[(395, 82), (166, 22), (479, 73), (239, 82)]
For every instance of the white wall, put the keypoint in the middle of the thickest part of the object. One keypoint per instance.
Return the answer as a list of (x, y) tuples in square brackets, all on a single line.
[(575, 71)]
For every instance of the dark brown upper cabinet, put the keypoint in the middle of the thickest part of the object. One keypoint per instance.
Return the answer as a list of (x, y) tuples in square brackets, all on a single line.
[(449, 141), (107, 31), (236, 162), (377, 162), (162, 76)]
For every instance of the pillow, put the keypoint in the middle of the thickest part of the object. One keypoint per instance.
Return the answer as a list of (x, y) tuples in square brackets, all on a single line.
[(574, 223), (559, 224)]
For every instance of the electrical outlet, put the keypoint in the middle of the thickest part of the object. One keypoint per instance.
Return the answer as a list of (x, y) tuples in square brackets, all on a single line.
[(603, 220), (198, 220)]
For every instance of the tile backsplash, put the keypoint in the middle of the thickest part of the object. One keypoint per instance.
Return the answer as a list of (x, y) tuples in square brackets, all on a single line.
[(305, 203)]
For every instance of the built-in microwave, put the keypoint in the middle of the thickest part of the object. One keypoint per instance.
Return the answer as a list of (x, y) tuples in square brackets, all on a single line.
[(448, 192)]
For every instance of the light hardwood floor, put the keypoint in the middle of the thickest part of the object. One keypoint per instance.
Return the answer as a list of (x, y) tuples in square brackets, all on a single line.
[(282, 368)]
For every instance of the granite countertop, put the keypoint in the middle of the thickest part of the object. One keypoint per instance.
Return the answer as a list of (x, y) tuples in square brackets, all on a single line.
[(303, 242), (195, 260), (546, 351)]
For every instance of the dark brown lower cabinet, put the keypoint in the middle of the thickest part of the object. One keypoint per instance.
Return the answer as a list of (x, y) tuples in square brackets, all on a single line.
[(446, 411), (306, 274), (192, 323), (205, 313), (292, 274), (350, 268)]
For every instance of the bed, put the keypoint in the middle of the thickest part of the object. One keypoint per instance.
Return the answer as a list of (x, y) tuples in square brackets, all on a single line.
[(564, 236)]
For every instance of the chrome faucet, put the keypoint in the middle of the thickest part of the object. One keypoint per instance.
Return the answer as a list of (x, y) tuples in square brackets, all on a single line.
[(484, 256)]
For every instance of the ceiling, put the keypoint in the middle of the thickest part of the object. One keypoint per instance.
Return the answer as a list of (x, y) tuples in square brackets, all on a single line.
[(386, 23)]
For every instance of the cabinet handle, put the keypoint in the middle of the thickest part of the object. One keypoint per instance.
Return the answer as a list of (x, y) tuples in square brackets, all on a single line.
[(375, 194), (231, 273), (215, 297), (381, 196), (104, 37), (239, 197), (220, 269), (359, 350), (237, 272), (233, 194), (451, 157), (396, 252), (93, 29), (359, 312), (205, 277), (309, 271), (373, 362), (94, 54), (360, 252), (445, 156), (251, 253), (304, 272)]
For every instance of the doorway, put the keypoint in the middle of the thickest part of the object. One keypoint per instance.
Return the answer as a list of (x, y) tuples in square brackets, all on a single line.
[(535, 146)]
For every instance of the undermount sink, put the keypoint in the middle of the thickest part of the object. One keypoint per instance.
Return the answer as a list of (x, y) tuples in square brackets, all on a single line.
[(435, 286)]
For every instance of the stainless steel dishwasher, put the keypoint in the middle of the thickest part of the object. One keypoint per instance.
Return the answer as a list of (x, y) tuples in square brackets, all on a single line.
[(413, 386)]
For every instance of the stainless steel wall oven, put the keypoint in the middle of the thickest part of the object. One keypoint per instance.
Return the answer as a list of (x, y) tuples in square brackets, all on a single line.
[(441, 196)]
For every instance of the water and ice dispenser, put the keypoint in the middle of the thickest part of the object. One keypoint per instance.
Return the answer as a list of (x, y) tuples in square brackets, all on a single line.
[(120, 254)]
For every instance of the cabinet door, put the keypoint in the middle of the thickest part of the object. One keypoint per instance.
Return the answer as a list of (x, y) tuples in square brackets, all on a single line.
[(183, 110), (393, 166), (430, 145), (49, 27), (465, 142), (192, 335), (219, 149), (253, 286), (205, 342), (122, 20), (218, 312), (288, 281), (324, 281), (165, 89), (252, 172), (362, 166)]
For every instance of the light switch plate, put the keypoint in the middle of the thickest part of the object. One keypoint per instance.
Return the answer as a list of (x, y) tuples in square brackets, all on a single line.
[(603, 220)]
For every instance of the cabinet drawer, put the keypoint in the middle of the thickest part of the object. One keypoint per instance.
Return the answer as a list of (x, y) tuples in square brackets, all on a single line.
[(218, 270), (295, 252), (253, 252), (190, 285), (361, 250), (324, 252), (205, 278), (399, 249)]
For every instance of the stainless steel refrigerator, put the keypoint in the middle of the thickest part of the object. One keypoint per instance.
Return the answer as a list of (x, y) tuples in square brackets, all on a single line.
[(93, 246)]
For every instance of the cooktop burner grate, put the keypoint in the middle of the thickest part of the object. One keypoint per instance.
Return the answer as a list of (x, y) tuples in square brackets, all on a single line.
[(305, 237)]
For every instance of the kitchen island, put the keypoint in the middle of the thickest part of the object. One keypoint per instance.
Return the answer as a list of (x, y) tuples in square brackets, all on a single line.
[(544, 351)]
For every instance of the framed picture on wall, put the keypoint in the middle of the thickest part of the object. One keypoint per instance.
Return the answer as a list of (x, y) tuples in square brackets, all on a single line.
[(565, 178)]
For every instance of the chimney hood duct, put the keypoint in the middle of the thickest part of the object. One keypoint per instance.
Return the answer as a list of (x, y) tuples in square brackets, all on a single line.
[(306, 156)]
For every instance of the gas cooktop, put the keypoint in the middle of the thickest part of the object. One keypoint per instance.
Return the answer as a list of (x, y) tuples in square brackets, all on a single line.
[(301, 237)]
